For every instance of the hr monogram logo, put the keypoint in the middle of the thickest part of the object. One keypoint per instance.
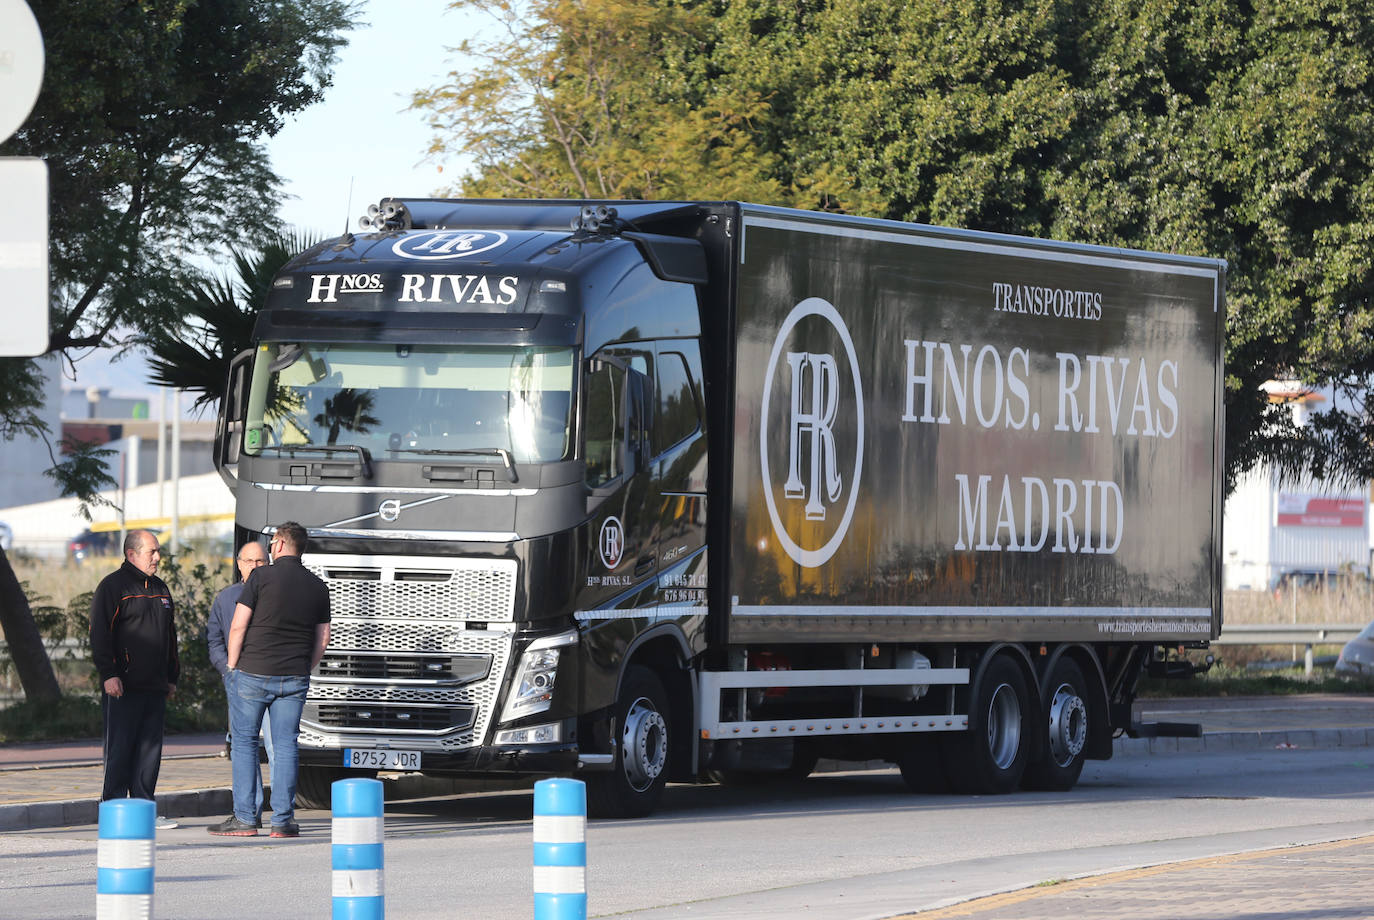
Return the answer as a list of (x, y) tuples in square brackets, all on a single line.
[(814, 452), (611, 543), (447, 244), (819, 424)]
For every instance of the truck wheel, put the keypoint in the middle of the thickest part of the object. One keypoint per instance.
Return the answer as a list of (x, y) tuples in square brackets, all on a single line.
[(990, 757), (1066, 719), (313, 784), (632, 787)]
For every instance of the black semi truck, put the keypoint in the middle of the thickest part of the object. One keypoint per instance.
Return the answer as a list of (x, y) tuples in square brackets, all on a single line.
[(650, 491)]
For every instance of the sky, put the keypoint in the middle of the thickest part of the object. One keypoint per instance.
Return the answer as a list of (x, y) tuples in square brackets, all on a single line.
[(359, 137)]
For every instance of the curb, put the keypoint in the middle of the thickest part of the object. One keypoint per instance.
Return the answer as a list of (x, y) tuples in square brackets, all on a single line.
[(210, 802)]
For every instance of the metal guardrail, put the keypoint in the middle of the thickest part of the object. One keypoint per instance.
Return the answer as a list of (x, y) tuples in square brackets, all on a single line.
[(1288, 634), (1304, 634)]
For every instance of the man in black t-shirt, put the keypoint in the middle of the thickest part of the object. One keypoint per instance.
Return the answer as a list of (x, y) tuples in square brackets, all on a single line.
[(279, 634)]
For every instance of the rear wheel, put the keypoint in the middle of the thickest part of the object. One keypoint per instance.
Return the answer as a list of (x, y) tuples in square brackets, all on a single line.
[(632, 787), (1066, 719), (990, 758)]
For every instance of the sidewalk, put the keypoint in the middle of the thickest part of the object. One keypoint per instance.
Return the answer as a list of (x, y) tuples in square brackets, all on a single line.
[(1323, 880), (58, 785)]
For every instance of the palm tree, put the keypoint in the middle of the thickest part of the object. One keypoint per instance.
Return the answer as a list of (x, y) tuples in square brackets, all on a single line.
[(219, 320)]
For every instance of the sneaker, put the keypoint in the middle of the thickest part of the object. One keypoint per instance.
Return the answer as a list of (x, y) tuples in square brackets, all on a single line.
[(289, 829), (163, 823), (233, 827)]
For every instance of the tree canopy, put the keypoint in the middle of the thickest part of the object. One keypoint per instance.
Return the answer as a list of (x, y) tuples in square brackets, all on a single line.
[(150, 119), (1240, 131)]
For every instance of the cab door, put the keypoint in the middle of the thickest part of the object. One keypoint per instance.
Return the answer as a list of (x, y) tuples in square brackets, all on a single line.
[(621, 555)]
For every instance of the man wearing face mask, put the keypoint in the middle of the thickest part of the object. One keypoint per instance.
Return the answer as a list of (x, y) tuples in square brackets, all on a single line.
[(250, 556)]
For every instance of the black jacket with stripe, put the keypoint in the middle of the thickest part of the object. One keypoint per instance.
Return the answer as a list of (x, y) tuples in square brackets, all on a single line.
[(133, 630)]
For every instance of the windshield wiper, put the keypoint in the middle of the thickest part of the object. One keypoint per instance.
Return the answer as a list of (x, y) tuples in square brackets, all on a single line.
[(463, 451), (364, 458)]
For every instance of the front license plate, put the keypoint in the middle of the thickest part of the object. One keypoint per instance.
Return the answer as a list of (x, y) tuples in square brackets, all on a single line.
[(381, 760)]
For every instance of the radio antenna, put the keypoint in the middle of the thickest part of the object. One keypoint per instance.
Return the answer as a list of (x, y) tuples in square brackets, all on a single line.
[(349, 210)]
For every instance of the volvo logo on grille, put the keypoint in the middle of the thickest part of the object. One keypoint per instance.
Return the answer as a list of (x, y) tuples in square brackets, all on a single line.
[(389, 510)]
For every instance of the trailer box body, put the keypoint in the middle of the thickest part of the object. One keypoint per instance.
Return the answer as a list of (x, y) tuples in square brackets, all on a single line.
[(953, 436)]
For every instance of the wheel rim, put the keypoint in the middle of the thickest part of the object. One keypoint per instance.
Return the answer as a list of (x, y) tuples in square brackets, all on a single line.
[(1068, 725), (645, 740), (1004, 726)]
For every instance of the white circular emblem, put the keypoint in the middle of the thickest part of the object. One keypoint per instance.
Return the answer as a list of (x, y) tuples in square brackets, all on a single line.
[(389, 510), (812, 306), (21, 66), (611, 542), (438, 245)]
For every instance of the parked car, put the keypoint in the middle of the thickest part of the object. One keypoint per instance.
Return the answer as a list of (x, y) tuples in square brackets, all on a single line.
[(1357, 657), (90, 543), (6, 537)]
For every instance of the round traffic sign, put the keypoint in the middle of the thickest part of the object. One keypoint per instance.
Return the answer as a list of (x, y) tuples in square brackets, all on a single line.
[(21, 65)]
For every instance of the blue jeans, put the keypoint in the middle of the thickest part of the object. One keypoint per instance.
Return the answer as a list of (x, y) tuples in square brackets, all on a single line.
[(265, 734), (282, 698)]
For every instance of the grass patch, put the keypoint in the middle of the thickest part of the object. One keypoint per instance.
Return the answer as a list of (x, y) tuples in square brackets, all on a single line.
[(1229, 681), (71, 718)]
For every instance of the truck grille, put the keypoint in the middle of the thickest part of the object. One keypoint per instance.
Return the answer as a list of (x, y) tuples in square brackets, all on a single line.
[(391, 718), (460, 668), (401, 630), (436, 588)]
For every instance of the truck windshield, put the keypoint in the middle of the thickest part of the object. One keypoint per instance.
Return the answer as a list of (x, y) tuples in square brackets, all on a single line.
[(402, 402)]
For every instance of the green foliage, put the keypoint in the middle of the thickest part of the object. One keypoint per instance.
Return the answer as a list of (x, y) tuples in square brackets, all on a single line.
[(199, 701), (69, 718), (150, 120), (1203, 128), (599, 99), (1222, 681)]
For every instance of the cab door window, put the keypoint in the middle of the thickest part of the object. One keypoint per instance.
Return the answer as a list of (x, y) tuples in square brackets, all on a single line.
[(618, 415), (604, 414)]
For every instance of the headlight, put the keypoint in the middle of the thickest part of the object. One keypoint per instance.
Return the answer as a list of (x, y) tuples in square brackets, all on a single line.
[(532, 690), (534, 734)]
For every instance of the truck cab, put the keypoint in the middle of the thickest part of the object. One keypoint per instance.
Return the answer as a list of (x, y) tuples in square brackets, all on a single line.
[(495, 436)]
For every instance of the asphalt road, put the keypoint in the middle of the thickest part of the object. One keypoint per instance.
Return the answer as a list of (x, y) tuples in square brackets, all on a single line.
[(845, 846)]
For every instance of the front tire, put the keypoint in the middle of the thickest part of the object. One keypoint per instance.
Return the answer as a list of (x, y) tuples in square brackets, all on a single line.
[(990, 757), (1066, 720), (314, 784), (632, 787)]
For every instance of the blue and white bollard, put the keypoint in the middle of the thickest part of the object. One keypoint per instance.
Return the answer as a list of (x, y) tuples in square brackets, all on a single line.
[(560, 850), (357, 852), (124, 860)]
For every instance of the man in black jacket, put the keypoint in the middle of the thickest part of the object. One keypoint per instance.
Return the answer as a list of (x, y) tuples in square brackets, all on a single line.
[(134, 646)]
